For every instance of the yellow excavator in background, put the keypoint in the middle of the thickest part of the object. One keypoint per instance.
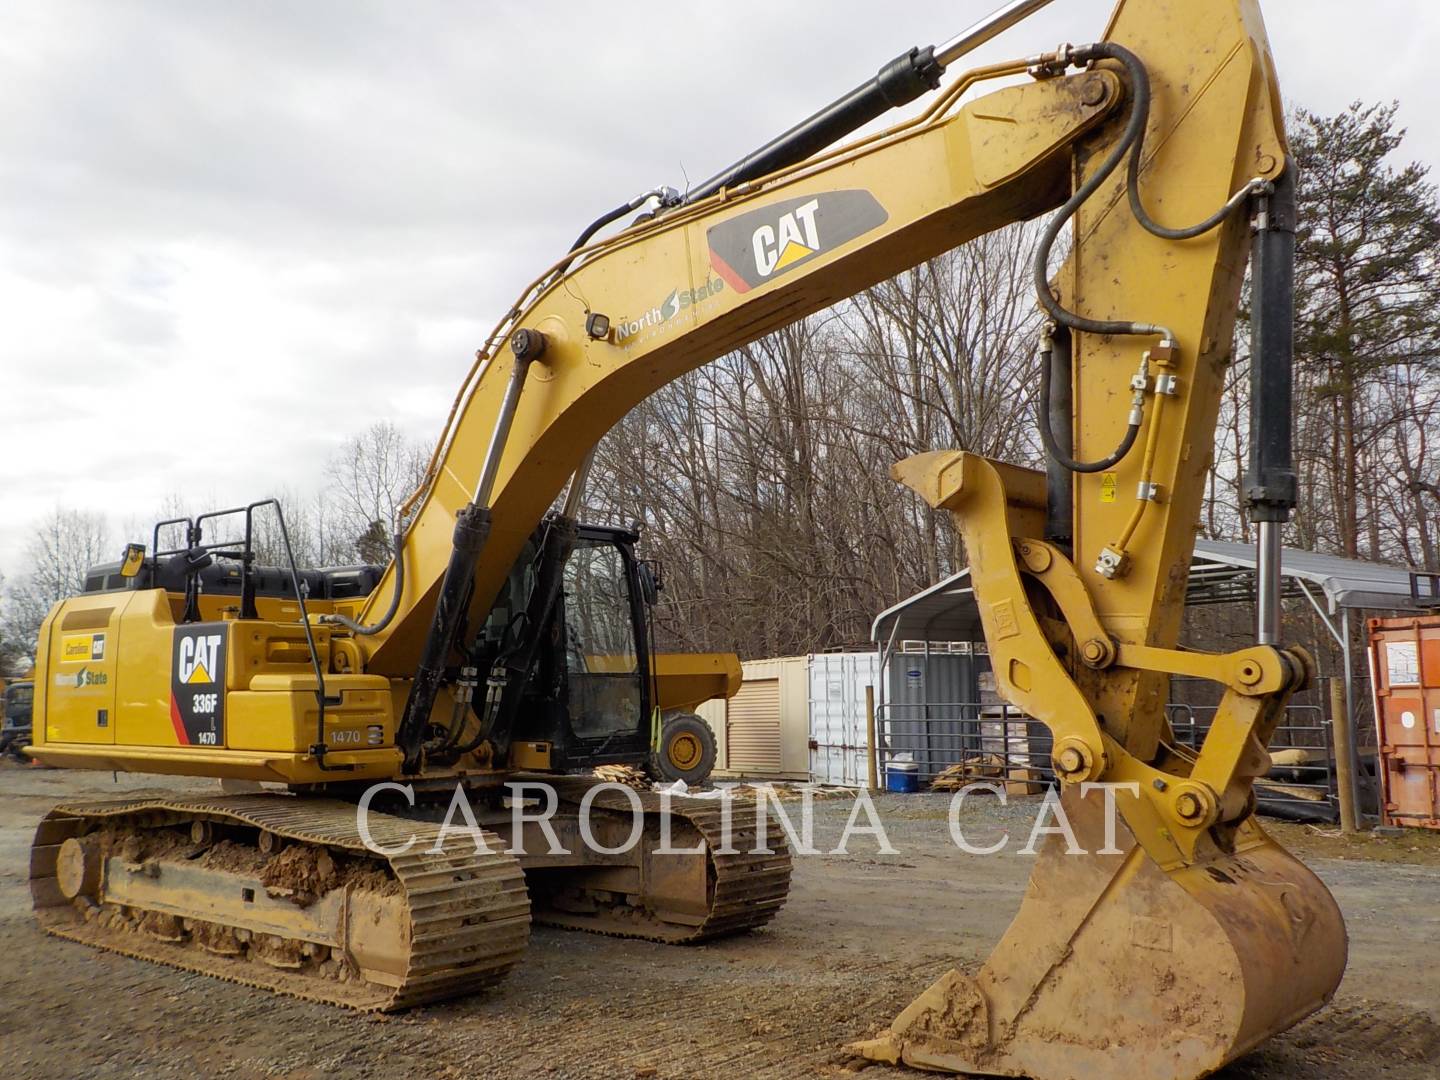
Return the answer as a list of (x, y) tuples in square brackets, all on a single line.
[(496, 641)]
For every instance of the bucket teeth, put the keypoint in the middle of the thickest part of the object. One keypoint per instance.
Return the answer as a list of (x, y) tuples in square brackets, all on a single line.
[(1117, 967)]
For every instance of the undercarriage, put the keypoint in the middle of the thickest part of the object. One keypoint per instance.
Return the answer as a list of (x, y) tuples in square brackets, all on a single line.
[(282, 891)]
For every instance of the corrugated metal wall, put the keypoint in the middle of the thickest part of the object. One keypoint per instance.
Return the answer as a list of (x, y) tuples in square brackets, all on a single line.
[(803, 717), (837, 715), (933, 706), (764, 730), (752, 729)]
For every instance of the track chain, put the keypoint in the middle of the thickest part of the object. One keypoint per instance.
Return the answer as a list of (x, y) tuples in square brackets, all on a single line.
[(746, 889), (448, 893)]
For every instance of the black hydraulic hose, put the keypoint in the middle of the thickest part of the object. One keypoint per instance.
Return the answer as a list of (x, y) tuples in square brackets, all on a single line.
[(1052, 447), (666, 196), (600, 222), (589, 231), (1129, 141), (482, 731), (397, 542), (470, 745), (1140, 81), (1134, 129)]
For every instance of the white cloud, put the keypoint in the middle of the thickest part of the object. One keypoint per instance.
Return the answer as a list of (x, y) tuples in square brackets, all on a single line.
[(232, 234)]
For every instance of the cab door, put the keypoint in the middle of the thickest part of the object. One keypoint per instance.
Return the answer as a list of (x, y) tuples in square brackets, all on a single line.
[(607, 692)]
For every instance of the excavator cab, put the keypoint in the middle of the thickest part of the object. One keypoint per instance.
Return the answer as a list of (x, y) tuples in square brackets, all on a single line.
[(595, 691), (588, 694)]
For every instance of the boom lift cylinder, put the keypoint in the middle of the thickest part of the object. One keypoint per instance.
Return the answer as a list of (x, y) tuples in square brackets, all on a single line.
[(1270, 479), (907, 77), (472, 530)]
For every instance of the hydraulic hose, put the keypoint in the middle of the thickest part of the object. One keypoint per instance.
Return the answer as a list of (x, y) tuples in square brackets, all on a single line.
[(666, 196), (482, 732), (1130, 138), (600, 222), (354, 627), (1131, 143), (1052, 447), (484, 714), (1140, 81)]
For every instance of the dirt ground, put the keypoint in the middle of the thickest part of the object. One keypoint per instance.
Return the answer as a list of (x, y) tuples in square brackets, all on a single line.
[(860, 936)]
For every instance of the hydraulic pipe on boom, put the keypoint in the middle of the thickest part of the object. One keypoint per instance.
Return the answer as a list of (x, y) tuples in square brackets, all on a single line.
[(901, 81)]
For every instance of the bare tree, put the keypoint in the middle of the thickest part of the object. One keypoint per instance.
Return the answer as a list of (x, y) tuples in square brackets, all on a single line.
[(62, 547), (764, 478), (370, 476), (12, 652)]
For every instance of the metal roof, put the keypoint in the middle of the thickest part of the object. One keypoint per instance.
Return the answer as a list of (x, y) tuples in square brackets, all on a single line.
[(946, 611), (1221, 572)]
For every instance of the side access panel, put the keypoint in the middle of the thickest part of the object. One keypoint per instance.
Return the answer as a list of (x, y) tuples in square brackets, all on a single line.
[(77, 675)]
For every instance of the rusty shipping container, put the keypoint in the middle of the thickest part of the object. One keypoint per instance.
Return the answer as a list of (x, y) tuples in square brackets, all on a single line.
[(1405, 666)]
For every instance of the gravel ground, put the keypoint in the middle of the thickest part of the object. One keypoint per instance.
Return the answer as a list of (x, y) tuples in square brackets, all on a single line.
[(859, 938)]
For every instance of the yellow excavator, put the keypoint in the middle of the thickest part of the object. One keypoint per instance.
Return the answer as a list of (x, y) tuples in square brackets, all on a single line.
[(1174, 939)]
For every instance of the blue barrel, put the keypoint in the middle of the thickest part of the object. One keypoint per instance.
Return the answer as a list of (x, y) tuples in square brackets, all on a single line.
[(902, 776)]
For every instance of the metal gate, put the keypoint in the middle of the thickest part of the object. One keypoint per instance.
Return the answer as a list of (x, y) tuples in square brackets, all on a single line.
[(923, 685)]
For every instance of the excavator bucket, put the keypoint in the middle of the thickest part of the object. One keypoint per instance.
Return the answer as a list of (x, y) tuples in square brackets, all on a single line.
[(1116, 967)]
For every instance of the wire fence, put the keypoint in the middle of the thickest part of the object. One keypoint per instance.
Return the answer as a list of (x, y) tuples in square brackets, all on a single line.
[(991, 741), (984, 736)]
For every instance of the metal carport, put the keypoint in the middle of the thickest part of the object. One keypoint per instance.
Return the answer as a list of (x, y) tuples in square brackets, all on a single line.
[(1221, 572)]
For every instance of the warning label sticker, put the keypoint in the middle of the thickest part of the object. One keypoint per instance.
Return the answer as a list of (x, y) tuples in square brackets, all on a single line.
[(1402, 663), (1107, 487)]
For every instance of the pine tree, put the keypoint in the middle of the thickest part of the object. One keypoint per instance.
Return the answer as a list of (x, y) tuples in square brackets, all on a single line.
[(1367, 293)]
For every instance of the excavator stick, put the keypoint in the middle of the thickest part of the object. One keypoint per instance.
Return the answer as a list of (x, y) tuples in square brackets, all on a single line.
[(1177, 936)]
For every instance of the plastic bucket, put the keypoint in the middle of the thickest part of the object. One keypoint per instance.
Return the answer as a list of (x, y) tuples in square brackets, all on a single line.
[(902, 776)]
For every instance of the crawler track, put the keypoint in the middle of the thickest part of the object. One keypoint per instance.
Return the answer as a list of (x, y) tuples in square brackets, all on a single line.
[(449, 923), (467, 914), (744, 889)]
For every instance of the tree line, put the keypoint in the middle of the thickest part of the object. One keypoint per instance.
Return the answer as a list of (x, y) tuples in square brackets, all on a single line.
[(762, 479)]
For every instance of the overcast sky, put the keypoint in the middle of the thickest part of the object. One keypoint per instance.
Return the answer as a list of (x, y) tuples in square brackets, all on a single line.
[(232, 234)]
